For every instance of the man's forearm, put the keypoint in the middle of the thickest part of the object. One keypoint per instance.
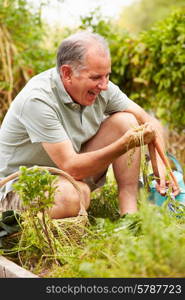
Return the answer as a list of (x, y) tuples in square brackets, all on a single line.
[(91, 163), (88, 164)]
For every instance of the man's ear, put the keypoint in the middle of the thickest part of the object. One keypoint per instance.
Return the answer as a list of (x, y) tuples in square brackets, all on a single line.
[(66, 72)]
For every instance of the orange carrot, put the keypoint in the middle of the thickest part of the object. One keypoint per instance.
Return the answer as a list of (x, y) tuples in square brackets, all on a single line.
[(153, 158), (165, 161)]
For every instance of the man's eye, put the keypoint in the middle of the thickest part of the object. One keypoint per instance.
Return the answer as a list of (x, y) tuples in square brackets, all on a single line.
[(95, 78)]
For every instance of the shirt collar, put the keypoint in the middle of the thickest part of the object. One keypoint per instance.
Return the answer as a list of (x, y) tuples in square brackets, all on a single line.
[(58, 85)]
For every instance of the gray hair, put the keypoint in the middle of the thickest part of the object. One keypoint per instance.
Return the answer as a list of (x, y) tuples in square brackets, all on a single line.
[(73, 49)]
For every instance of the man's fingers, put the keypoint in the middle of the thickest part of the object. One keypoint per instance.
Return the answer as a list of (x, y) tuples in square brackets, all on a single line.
[(162, 187), (142, 134), (158, 187), (147, 131), (175, 189)]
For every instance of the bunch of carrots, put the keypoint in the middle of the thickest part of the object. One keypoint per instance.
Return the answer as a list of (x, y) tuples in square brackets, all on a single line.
[(155, 147)]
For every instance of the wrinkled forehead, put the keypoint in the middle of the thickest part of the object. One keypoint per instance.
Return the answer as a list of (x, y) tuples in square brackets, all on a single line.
[(97, 64)]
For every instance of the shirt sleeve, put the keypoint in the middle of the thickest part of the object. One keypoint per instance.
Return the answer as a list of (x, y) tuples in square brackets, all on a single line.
[(117, 100), (41, 122)]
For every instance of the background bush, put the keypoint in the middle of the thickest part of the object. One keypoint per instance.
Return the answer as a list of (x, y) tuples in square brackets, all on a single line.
[(22, 49)]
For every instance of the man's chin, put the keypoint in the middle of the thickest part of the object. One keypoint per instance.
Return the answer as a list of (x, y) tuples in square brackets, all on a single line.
[(89, 102)]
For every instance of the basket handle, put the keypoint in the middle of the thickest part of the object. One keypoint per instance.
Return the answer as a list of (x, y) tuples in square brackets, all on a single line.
[(55, 171)]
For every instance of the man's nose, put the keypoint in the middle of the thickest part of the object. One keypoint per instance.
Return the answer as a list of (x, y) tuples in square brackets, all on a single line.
[(103, 84)]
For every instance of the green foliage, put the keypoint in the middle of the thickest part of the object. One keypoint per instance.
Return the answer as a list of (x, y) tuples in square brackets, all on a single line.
[(12, 14), (104, 202), (149, 243), (42, 241), (23, 50), (36, 189), (27, 34), (158, 72), (139, 15), (155, 72)]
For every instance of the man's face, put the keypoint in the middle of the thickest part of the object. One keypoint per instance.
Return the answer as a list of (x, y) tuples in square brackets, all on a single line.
[(87, 83)]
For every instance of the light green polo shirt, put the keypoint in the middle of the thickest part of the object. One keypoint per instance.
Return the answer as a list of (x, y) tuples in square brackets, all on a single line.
[(44, 112)]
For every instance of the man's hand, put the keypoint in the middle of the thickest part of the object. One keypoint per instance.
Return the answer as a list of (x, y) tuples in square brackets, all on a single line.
[(140, 135), (162, 170), (146, 134), (163, 184)]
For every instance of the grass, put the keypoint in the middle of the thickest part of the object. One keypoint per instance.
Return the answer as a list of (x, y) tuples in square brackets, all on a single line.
[(150, 243)]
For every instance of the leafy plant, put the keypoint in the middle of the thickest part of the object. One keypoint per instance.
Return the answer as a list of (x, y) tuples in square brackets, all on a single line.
[(22, 48), (36, 189), (104, 203)]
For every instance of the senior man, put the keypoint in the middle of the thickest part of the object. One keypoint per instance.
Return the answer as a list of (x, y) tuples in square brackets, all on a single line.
[(73, 118)]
